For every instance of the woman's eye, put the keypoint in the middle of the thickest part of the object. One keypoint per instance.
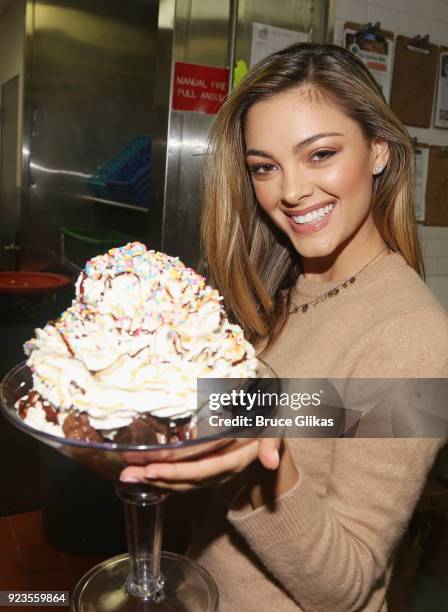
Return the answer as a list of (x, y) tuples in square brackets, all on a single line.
[(261, 169), (320, 156)]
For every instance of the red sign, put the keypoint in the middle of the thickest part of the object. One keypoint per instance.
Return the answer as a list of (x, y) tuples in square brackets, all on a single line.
[(199, 88)]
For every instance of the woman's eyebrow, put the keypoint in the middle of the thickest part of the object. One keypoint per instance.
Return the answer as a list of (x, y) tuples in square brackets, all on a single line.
[(296, 148), (257, 152)]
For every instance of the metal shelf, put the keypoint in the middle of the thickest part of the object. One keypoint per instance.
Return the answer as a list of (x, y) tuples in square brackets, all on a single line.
[(113, 203)]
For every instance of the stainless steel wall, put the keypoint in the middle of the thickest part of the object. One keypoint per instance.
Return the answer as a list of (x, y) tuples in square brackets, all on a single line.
[(92, 85)]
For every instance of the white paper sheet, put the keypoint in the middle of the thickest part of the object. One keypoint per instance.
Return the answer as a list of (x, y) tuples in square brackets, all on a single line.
[(377, 56), (421, 178), (441, 113), (267, 39)]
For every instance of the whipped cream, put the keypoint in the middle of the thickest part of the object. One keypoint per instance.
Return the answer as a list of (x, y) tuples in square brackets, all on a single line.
[(142, 329)]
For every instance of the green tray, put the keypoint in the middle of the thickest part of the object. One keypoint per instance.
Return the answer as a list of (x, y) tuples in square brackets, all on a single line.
[(81, 244)]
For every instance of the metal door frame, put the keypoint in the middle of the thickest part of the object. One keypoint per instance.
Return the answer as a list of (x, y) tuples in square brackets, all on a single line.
[(14, 216), (2, 86)]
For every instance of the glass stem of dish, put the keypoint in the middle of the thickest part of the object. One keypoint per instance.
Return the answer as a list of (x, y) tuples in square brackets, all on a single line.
[(144, 528)]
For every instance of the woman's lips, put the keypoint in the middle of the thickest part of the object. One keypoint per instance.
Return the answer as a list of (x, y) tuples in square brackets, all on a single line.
[(313, 226)]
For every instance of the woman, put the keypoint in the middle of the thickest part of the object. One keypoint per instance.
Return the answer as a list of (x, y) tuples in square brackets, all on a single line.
[(309, 232)]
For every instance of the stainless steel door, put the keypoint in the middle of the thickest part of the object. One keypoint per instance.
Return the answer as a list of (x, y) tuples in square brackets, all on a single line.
[(93, 84), (9, 199), (201, 32)]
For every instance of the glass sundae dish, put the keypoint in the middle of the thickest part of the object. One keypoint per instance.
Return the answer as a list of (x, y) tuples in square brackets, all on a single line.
[(111, 383)]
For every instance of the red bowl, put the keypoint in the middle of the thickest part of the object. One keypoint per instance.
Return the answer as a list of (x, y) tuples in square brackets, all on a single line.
[(20, 283)]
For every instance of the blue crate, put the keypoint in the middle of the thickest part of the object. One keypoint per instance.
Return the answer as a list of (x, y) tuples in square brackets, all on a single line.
[(125, 177), (136, 190)]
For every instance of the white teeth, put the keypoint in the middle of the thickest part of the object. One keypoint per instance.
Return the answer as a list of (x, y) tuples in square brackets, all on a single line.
[(314, 215)]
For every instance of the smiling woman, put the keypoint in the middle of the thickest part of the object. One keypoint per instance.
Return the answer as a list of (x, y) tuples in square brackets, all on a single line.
[(317, 138), (309, 233), (326, 178)]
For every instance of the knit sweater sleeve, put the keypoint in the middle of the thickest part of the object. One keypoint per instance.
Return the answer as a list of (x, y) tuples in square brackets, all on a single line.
[(330, 549)]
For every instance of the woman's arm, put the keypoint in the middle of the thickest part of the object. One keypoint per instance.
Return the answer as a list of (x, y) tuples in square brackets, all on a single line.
[(263, 486), (329, 550), (209, 469), (330, 547)]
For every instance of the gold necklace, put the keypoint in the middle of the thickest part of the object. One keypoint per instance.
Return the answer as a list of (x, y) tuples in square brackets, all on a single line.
[(335, 290)]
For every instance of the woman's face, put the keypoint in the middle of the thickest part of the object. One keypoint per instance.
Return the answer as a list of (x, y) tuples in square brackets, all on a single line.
[(312, 171)]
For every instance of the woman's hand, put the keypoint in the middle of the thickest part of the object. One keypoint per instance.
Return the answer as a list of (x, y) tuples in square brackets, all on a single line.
[(208, 469)]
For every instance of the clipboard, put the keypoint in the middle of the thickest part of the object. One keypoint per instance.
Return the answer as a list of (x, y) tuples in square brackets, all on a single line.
[(437, 187), (414, 79), (371, 31), (375, 48)]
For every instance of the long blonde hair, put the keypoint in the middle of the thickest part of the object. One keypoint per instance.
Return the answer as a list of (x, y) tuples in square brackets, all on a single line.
[(251, 262)]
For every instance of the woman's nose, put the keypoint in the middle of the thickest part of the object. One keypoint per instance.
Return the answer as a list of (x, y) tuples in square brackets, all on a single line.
[(295, 188)]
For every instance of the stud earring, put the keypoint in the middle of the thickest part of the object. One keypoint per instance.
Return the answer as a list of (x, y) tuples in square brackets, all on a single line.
[(378, 169)]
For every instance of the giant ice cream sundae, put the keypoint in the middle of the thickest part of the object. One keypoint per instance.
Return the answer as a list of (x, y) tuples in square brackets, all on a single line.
[(121, 363)]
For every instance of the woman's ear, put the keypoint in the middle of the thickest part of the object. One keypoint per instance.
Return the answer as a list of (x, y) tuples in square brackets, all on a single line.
[(380, 155)]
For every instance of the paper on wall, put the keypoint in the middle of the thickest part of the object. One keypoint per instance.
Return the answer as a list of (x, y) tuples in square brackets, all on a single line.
[(441, 113), (377, 55), (267, 39), (420, 180)]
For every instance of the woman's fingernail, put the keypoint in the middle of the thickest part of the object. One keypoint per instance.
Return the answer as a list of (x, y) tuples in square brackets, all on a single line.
[(129, 479)]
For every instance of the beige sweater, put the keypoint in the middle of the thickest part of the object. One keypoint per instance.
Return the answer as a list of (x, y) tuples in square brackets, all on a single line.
[(328, 543)]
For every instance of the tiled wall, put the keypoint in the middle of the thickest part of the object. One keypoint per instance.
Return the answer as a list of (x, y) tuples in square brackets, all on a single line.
[(411, 17)]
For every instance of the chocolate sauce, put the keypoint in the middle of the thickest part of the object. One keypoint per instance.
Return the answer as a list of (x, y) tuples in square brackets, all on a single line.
[(50, 413), (81, 286), (144, 429), (77, 426), (67, 343)]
